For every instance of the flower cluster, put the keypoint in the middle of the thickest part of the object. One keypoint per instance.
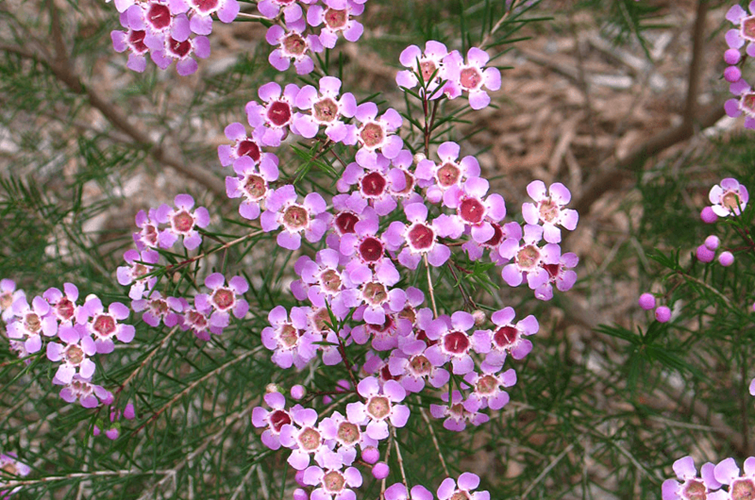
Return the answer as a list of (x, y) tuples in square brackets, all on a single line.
[(743, 34), (722, 481)]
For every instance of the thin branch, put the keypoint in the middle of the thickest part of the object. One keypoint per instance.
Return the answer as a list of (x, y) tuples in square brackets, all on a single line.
[(430, 288), (435, 440), (400, 459)]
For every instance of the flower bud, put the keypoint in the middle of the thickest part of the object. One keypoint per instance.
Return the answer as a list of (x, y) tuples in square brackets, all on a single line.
[(662, 314), (647, 301), (732, 56), (419, 157), (726, 259), (300, 494), (380, 470), (704, 254), (298, 391), (732, 74), (708, 215), (479, 317), (370, 454), (712, 242)]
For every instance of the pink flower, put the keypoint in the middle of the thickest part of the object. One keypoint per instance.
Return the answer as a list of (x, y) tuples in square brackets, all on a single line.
[(253, 183), (375, 134), (274, 117), (88, 394), (243, 145), (376, 183), (467, 482), (10, 465), (326, 109), (63, 305), (332, 484), (471, 77), (303, 437), (456, 416), (420, 238), (379, 406), (104, 326), (290, 340), (32, 322), (8, 295), (134, 273), (428, 65), (183, 222), (439, 177), (201, 10), (181, 52), (527, 257), (272, 420), (157, 309), (745, 31), (548, 209), (487, 392), (74, 355), (454, 343), (292, 11), (223, 299), (292, 46), (475, 211), (282, 210), (728, 198), (509, 337), (133, 41), (148, 234), (336, 19), (692, 486), (559, 273), (398, 492), (744, 104)]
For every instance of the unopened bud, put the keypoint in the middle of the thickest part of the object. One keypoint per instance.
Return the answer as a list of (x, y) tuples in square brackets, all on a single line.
[(272, 388), (419, 157), (479, 317)]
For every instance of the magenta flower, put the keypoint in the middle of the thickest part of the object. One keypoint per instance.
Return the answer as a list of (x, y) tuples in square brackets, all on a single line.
[(345, 433), (456, 416), (274, 117), (450, 489), (428, 64), (157, 309), (148, 234), (88, 394), (527, 257), (376, 183), (471, 77), (292, 11), (744, 104), (559, 273), (420, 238), (439, 177), (509, 337), (379, 406), (303, 437), (157, 21), (282, 210), (201, 10), (745, 28), (224, 300), (273, 420), (181, 52), (326, 283), (548, 209), (33, 322), (454, 344), (398, 492), (135, 272), (474, 211), (375, 134), (182, 222), (691, 486), (133, 41), (74, 355), (243, 145), (63, 305), (336, 19), (326, 109), (292, 342), (727, 472), (728, 198), (197, 320), (487, 389), (413, 367), (8, 295), (253, 183), (332, 484), (292, 46), (104, 326)]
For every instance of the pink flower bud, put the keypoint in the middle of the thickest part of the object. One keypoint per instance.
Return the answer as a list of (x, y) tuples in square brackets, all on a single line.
[(712, 242), (732, 56), (298, 391), (647, 301), (662, 314), (704, 254), (732, 74), (708, 215), (299, 477), (381, 470), (300, 494), (726, 259), (371, 454)]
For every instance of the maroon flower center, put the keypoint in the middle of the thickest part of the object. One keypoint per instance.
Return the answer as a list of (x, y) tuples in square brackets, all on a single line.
[(32, 322), (289, 335), (205, 5), (74, 355), (740, 489), (371, 249), (255, 186), (285, 2), (748, 28), (294, 45), (470, 78), (385, 374), (487, 384), (371, 135), (427, 68), (183, 222), (456, 342), (159, 307), (278, 419), (158, 16), (325, 110), (471, 210), (223, 298), (378, 407), (528, 257), (505, 336), (330, 280), (64, 309), (421, 237), (279, 113), (348, 433), (296, 218), (387, 326), (136, 40), (373, 184), (495, 240), (448, 175), (548, 211), (149, 235), (180, 49), (104, 325), (730, 200), (374, 293), (345, 222), (420, 365), (748, 102), (336, 19), (333, 481), (321, 320), (310, 439), (552, 269), (197, 320), (249, 148)]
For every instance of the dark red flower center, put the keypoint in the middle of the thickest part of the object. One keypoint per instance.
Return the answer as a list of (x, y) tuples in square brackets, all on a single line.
[(183, 222), (371, 135), (136, 40), (278, 419), (553, 269), (205, 6), (448, 175), (64, 309), (373, 184), (456, 342), (371, 249), (180, 49), (279, 113), (421, 237), (505, 336), (223, 298), (345, 222), (158, 16), (104, 325), (249, 148), (471, 210), (495, 240)]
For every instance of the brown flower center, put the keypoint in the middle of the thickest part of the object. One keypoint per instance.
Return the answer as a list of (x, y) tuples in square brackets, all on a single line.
[(378, 407)]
